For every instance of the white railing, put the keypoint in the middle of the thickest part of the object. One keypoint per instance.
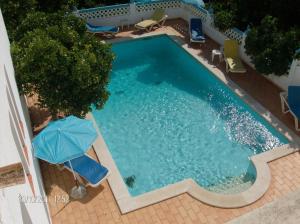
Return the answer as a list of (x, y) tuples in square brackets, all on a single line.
[(134, 12), (150, 6), (128, 14), (196, 11), (235, 33), (104, 12)]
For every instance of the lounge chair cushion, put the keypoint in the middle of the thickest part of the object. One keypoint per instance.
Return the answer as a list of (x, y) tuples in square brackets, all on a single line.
[(146, 23), (231, 56), (102, 29), (196, 30), (196, 36), (231, 49), (88, 168), (294, 99), (157, 17), (235, 65)]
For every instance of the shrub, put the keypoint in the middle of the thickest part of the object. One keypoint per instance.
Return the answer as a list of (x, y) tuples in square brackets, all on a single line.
[(42, 20), (270, 49), (224, 20), (224, 13)]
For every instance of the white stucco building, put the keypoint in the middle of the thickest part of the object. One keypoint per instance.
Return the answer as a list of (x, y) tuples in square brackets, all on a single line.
[(22, 197)]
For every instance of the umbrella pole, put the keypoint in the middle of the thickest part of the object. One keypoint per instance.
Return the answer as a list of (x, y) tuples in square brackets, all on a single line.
[(78, 191), (76, 181)]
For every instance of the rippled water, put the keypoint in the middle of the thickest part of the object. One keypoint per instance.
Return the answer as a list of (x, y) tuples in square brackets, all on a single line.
[(168, 118)]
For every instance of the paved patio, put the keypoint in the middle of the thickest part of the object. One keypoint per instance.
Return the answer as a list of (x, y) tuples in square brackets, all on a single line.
[(285, 210), (100, 207)]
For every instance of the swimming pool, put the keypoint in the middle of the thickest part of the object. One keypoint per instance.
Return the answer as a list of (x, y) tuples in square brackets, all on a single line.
[(169, 118)]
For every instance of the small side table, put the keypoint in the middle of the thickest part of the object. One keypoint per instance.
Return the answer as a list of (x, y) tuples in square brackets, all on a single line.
[(218, 53)]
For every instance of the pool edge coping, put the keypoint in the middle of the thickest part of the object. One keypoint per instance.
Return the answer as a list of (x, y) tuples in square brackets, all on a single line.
[(127, 203)]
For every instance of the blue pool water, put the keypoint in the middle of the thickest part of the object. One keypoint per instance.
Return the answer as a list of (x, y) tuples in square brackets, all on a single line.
[(168, 118)]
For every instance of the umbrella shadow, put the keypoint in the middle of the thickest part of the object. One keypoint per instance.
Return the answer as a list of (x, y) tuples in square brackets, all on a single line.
[(58, 184), (91, 193)]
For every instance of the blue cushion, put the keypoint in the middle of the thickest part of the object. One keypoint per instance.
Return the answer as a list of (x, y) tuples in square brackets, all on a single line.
[(196, 29), (294, 99), (97, 29), (296, 111), (196, 36), (88, 168)]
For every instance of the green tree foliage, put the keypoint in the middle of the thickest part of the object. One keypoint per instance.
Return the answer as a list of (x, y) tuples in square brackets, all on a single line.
[(14, 11), (41, 20), (55, 5), (287, 12), (55, 57), (224, 20), (251, 12), (94, 3), (273, 39), (224, 15), (67, 67), (271, 50)]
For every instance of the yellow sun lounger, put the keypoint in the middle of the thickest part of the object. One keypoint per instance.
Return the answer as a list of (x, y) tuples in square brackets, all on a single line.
[(158, 18), (231, 56)]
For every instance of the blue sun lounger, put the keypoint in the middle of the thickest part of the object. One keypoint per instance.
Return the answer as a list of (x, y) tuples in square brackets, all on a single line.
[(86, 167), (106, 30), (291, 99), (196, 32)]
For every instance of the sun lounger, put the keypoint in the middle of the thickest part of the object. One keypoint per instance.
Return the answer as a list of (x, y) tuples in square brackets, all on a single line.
[(196, 33), (231, 56), (290, 102), (105, 30), (86, 167), (158, 18)]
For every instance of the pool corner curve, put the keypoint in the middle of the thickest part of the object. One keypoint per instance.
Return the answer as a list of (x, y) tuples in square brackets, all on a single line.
[(127, 203)]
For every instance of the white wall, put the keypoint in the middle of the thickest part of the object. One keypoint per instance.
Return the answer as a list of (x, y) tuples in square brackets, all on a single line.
[(290, 79), (12, 140), (133, 17)]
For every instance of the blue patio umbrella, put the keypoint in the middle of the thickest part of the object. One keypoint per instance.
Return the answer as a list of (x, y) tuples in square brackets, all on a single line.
[(64, 139)]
